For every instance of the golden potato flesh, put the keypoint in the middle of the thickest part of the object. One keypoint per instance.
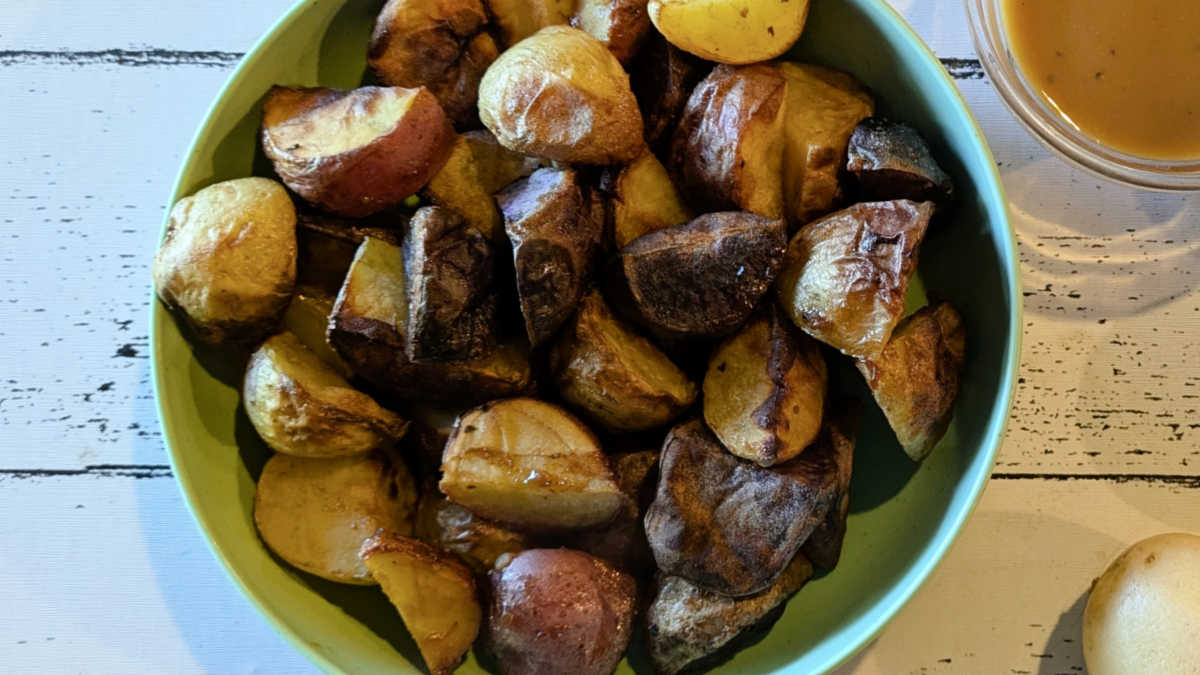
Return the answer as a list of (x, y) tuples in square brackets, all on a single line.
[(562, 95), (846, 276), (529, 464), (478, 168), (614, 376), (823, 107), (731, 31), (765, 391), (316, 513), (449, 526), (620, 25), (227, 263), (433, 592), (518, 19), (915, 379), (307, 317), (645, 200)]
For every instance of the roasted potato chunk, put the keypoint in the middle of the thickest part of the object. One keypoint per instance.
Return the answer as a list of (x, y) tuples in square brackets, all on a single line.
[(562, 95), (554, 241), (227, 263), (328, 244), (478, 168), (530, 464), (890, 160), (644, 200), (614, 376), (556, 611), (437, 44), (662, 78), (765, 391), (728, 525), (700, 279), (623, 543), (355, 153), (824, 545), (307, 317), (620, 25), (446, 525), (518, 19), (823, 107), (915, 379), (846, 276), (434, 593), (731, 31), (728, 149), (316, 513), (686, 623)]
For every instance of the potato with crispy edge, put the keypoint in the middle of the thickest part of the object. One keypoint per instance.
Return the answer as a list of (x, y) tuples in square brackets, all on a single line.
[(890, 160), (663, 77), (727, 152), (824, 545), (478, 168), (433, 592), (915, 379), (328, 244), (227, 263), (316, 513), (765, 390), (620, 25), (562, 95), (449, 526), (700, 279), (355, 153), (644, 200), (846, 276), (518, 19), (529, 464), (731, 31)]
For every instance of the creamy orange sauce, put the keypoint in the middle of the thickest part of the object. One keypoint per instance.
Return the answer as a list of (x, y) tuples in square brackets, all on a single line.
[(1124, 72)]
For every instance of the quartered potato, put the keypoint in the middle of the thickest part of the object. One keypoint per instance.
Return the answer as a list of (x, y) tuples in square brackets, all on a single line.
[(529, 464), (478, 167), (316, 513), (644, 200), (728, 150), (306, 318), (446, 525), (518, 19), (301, 406), (846, 275), (824, 545), (731, 31), (614, 376), (890, 160), (915, 379), (700, 279), (328, 244), (662, 78), (619, 25), (433, 592), (765, 390), (227, 263), (685, 623)]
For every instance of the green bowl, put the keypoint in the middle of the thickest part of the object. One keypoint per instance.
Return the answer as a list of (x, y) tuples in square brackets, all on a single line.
[(903, 516)]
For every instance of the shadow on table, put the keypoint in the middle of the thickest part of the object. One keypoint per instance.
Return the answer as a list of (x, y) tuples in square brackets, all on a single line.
[(1065, 643)]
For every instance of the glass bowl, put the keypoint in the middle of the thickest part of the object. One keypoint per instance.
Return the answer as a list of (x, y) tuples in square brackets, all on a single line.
[(986, 20)]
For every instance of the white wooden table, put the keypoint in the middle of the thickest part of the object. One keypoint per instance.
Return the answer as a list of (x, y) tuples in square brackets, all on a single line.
[(102, 570)]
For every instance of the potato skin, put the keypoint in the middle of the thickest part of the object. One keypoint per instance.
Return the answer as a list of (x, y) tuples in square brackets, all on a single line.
[(620, 25), (663, 77), (227, 263), (623, 543), (890, 160), (824, 545), (448, 526), (562, 95), (557, 611), (730, 31)]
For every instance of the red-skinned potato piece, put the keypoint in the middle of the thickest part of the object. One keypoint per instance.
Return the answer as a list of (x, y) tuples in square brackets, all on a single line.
[(620, 25)]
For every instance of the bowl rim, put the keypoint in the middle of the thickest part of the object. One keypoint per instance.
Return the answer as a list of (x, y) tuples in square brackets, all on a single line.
[(864, 627)]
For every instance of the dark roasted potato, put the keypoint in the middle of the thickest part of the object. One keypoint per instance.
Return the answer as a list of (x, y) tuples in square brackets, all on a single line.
[(728, 149), (728, 525), (452, 302), (518, 19), (644, 200), (890, 160), (554, 241), (619, 25), (765, 390), (446, 525), (700, 279), (824, 545), (328, 244), (623, 543), (686, 623), (614, 376), (846, 275), (662, 78), (478, 168), (915, 379)]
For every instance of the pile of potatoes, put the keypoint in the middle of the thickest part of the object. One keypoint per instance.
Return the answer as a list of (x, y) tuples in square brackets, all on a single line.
[(584, 388)]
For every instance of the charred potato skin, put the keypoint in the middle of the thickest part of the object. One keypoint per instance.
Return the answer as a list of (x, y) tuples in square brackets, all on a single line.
[(446, 525), (663, 77), (620, 25), (824, 545), (890, 160)]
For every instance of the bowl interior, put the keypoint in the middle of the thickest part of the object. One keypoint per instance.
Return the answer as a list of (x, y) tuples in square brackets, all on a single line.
[(903, 516)]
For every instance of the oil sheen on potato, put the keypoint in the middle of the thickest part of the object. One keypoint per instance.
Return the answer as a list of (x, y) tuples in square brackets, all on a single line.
[(1124, 73)]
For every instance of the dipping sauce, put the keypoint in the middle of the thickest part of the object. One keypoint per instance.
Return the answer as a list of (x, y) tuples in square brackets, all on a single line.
[(1124, 72)]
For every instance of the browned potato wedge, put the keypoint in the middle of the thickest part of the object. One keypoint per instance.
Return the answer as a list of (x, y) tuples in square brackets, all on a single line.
[(686, 623), (824, 545), (316, 513), (554, 242), (478, 168), (728, 525), (728, 149), (355, 153), (890, 160), (731, 31), (301, 406), (645, 200), (846, 275), (307, 318), (434, 593), (227, 263), (437, 44), (823, 107), (556, 611), (662, 78), (620, 25), (561, 95), (328, 244), (701, 279), (623, 543), (915, 379), (765, 391), (518, 19), (452, 302), (614, 376), (446, 525), (530, 464)]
